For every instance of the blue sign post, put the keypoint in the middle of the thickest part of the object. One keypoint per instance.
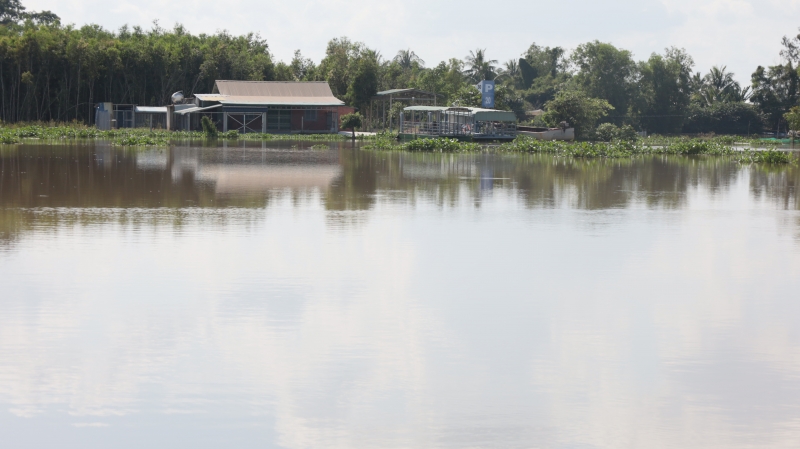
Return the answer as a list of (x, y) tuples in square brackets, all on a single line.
[(487, 94)]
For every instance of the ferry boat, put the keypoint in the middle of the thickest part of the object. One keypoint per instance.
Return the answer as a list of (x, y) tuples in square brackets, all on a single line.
[(471, 124), (462, 123), (547, 133)]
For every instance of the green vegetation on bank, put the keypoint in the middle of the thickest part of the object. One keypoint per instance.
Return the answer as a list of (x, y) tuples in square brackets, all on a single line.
[(140, 136), (614, 149), (58, 72)]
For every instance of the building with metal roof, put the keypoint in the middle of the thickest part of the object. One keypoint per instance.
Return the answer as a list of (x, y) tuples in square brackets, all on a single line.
[(244, 106), (265, 106)]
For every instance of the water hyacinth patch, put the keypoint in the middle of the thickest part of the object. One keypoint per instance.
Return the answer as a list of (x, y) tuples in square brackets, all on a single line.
[(140, 140), (587, 150), (17, 133)]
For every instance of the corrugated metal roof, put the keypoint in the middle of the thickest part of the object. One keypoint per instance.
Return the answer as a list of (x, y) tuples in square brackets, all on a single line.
[(406, 90), (425, 108), (493, 115), (393, 91), (151, 109), (484, 115), (293, 101), (308, 93), (209, 97), (274, 88), (190, 110)]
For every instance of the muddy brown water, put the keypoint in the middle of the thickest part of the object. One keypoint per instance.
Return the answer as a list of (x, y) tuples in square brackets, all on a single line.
[(271, 295)]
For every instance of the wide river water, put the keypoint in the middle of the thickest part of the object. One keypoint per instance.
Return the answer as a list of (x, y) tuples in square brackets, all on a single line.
[(271, 295)]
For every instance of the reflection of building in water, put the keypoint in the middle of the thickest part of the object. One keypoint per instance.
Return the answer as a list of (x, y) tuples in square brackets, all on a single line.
[(152, 160), (246, 170), (230, 179)]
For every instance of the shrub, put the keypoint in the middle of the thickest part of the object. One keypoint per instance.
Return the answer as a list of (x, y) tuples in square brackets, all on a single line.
[(724, 118), (209, 129), (578, 110), (607, 132)]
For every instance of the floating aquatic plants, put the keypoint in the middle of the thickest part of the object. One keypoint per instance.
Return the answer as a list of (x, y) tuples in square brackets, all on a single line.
[(14, 134), (587, 150), (140, 140)]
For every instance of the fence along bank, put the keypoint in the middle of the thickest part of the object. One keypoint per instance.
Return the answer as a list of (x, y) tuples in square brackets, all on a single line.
[(245, 106)]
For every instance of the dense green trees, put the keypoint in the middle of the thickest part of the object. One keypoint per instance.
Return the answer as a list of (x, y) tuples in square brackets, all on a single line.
[(54, 72), (606, 72), (50, 71), (576, 108), (663, 91)]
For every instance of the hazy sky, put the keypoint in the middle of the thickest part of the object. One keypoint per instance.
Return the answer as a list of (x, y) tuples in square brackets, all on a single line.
[(741, 34)]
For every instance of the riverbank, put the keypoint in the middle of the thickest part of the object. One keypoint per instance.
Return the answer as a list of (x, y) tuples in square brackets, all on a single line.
[(146, 137), (743, 150)]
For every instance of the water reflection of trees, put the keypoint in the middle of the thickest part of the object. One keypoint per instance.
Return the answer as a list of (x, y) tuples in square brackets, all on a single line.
[(348, 181), (779, 185), (52, 185), (537, 180)]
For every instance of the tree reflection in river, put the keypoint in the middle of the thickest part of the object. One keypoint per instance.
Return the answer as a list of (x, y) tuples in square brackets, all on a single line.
[(252, 174)]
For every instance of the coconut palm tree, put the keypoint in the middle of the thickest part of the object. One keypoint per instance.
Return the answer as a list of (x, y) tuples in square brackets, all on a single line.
[(479, 68), (510, 72), (720, 78), (718, 86), (407, 58)]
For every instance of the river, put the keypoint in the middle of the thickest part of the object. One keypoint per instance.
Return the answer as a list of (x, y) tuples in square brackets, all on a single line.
[(271, 295)]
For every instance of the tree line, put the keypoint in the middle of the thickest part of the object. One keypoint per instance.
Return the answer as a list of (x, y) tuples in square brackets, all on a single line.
[(55, 72)]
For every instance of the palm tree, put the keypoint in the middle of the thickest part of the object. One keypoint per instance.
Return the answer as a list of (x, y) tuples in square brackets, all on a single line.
[(478, 67), (510, 72), (718, 86), (407, 58), (720, 78), (696, 82)]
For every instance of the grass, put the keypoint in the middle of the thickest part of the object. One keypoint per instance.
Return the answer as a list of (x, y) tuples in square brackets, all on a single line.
[(11, 134), (656, 145)]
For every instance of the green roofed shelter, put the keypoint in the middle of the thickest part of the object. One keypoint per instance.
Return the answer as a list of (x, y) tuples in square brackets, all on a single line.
[(459, 122)]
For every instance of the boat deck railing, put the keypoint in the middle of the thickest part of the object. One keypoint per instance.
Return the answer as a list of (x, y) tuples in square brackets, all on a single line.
[(486, 130)]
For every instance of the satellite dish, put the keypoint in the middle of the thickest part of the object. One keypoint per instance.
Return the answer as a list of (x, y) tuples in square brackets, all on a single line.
[(177, 97)]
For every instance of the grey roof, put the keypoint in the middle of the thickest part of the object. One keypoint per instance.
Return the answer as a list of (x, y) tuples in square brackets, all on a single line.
[(425, 108), (400, 91), (309, 93), (209, 97), (274, 101), (493, 115), (196, 109), (151, 109), (485, 115)]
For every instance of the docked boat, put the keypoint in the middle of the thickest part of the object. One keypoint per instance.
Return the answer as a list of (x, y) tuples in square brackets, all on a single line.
[(547, 133), (462, 123)]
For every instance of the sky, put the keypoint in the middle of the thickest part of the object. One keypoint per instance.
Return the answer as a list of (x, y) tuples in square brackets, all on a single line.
[(739, 34)]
